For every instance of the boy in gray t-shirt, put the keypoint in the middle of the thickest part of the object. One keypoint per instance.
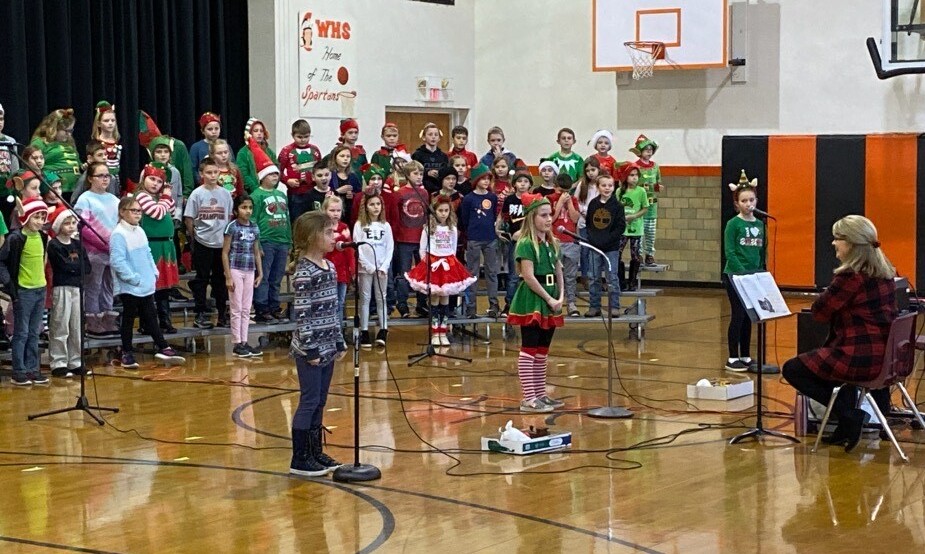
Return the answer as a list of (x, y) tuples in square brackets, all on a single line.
[(208, 211)]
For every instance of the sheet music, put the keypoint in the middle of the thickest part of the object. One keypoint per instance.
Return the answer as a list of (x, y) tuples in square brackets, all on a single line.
[(759, 292)]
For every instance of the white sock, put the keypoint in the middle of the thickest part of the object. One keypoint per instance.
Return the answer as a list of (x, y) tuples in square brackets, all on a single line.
[(746, 360), (732, 360)]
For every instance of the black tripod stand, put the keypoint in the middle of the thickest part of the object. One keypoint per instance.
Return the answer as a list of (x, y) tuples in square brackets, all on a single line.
[(429, 350), (82, 403), (356, 471)]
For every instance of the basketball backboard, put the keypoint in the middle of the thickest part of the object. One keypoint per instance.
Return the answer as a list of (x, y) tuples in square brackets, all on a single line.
[(901, 49), (694, 32)]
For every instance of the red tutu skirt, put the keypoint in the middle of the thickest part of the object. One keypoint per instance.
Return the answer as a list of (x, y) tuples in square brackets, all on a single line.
[(447, 276)]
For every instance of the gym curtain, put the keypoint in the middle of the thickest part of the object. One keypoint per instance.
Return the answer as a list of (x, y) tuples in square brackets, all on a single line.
[(173, 58), (809, 182)]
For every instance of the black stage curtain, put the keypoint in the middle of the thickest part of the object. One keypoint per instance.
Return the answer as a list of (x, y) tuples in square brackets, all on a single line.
[(172, 58)]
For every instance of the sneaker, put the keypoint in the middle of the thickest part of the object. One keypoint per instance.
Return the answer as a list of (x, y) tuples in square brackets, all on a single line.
[(203, 321), (573, 311), (21, 380), (224, 321), (128, 361), (403, 311), (168, 329), (265, 318), (281, 317), (37, 378), (737, 365), (381, 337), (175, 294), (365, 341), (593, 312), (492, 311), (255, 350), (549, 401), (649, 261), (241, 351), (78, 371), (535, 405), (616, 312), (169, 355), (506, 310), (61, 372), (471, 313)]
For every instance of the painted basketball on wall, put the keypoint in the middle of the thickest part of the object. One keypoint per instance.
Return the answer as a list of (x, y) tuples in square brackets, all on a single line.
[(343, 75)]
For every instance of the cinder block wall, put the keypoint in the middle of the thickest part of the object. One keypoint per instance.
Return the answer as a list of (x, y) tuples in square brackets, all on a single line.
[(689, 230)]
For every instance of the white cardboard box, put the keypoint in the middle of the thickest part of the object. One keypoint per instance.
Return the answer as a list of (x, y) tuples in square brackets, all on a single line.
[(548, 443), (722, 389)]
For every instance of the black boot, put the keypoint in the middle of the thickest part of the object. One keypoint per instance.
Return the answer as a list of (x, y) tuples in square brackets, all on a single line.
[(162, 301), (854, 423), (317, 449), (634, 273), (303, 462)]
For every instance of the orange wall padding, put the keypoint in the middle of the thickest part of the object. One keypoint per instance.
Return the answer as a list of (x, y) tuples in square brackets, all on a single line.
[(792, 200), (890, 196)]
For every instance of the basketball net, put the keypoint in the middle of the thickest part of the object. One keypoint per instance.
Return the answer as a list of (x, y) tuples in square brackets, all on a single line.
[(644, 54)]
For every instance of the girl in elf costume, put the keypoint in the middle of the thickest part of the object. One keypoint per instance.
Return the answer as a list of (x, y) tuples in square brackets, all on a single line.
[(229, 177), (157, 204), (106, 130), (537, 303), (245, 159), (179, 153), (650, 178), (55, 138), (448, 277)]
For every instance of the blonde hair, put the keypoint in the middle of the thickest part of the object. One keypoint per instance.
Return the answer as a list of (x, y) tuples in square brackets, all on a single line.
[(95, 126), (54, 122), (125, 203), (528, 233), (411, 166), (363, 216), (215, 144), (331, 200), (495, 131), (865, 255), (306, 232)]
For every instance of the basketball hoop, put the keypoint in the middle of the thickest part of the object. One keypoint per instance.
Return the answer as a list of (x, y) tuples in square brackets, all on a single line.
[(644, 53)]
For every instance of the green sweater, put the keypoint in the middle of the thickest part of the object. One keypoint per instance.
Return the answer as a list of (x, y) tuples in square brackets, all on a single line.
[(743, 243), (248, 169), (271, 214), (573, 164)]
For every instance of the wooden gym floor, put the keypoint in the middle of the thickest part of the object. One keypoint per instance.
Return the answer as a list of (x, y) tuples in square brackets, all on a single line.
[(196, 460)]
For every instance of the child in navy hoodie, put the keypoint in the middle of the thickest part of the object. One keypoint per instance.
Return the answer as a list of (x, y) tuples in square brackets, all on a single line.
[(477, 215)]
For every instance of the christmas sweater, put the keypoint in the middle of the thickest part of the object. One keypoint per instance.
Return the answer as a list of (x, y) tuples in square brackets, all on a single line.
[(608, 163), (408, 213), (62, 160), (230, 180), (113, 155), (477, 216), (573, 164), (297, 163), (271, 214), (471, 159), (743, 244)]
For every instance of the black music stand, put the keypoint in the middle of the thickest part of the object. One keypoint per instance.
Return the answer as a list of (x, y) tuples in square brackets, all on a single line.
[(763, 302)]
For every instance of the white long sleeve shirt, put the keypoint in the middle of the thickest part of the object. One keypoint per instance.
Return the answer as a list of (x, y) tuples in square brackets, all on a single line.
[(377, 254)]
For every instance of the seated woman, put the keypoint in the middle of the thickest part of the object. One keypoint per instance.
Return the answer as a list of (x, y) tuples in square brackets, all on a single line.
[(860, 306)]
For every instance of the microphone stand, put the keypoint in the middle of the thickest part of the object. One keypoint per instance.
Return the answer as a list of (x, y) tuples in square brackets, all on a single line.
[(609, 411), (82, 404), (349, 473), (429, 350)]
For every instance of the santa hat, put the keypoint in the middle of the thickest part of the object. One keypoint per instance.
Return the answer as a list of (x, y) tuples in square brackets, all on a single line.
[(207, 118), (153, 169), (31, 207), (477, 172), (400, 154), (550, 164), (147, 129), (262, 162), (622, 172), (58, 217), (307, 21), (602, 133), (347, 124), (1, 109), (643, 142), (250, 125)]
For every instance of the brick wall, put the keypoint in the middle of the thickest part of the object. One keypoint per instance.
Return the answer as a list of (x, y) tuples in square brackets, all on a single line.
[(689, 230)]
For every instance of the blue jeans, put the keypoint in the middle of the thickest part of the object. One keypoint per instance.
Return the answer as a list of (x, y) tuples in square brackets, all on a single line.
[(314, 382), (598, 265), (275, 257), (513, 278), (584, 263), (341, 299), (406, 255), (27, 324)]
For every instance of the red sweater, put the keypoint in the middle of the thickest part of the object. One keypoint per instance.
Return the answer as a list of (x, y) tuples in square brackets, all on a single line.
[(407, 214), (608, 164), (343, 260), (471, 158), (297, 163)]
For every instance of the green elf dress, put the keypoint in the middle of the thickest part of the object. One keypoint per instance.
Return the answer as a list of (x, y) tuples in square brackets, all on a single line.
[(157, 223), (527, 308)]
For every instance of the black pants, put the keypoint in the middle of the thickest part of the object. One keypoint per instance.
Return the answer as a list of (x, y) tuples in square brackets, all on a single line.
[(801, 378), (739, 334), (162, 301), (533, 336), (143, 307), (209, 271)]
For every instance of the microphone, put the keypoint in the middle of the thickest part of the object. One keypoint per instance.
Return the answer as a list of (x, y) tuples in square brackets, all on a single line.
[(762, 213), (340, 245), (562, 230)]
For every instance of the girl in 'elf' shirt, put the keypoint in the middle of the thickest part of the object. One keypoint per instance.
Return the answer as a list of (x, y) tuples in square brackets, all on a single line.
[(743, 244), (375, 258), (440, 275)]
